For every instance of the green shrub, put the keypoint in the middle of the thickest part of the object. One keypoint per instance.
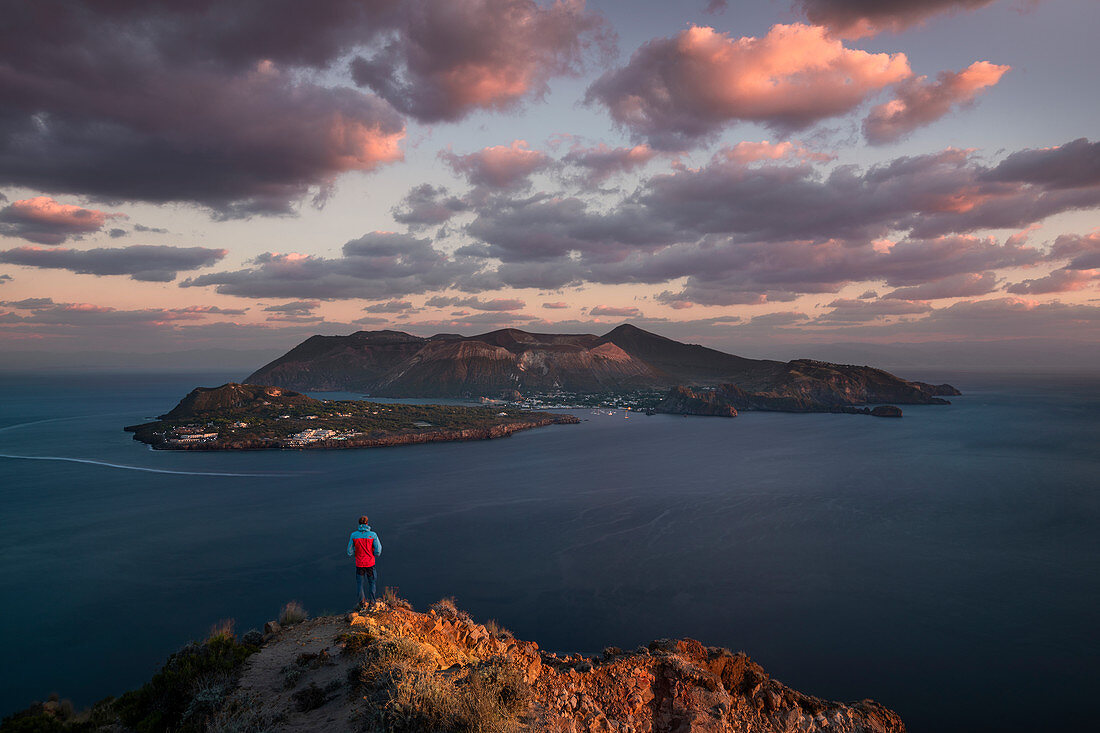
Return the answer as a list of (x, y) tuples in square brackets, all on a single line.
[(309, 698), (164, 700), (245, 715), (35, 719), (207, 695)]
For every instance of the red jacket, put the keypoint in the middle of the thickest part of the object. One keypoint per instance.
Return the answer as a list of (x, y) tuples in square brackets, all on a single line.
[(365, 545)]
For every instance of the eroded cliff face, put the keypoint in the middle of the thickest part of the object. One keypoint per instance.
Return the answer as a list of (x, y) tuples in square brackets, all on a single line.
[(401, 670)]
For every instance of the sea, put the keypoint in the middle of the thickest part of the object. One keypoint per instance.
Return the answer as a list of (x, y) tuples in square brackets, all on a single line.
[(946, 564)]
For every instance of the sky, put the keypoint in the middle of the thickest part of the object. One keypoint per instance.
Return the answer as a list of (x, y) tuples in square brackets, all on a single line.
[(763, 177)]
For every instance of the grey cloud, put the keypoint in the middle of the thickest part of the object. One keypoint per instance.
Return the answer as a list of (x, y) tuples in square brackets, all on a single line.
[(865, 17), (211, 310), (781, 318), (392, 306), (495, 305), (857, 311), (428, 205), (601, 162), (544, 227), (615, 311), (153, 263), (447, 58), (1058, 281), (1075, 164), (294, 318), (965, 284), (498, 166), (750, 234), (29, 303), (295, 308), (1083, 251), (371, 321), (377, 266)]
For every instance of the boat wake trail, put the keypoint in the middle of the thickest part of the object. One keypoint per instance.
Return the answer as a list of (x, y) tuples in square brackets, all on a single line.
[(135, 468)]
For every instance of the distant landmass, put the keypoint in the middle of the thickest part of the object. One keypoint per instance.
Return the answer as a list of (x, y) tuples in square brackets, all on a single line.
[(512, 363), (255, 417)]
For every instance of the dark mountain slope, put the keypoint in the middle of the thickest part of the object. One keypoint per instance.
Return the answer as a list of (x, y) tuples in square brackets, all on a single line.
[(396, 364), (691, 363), (203, 401)]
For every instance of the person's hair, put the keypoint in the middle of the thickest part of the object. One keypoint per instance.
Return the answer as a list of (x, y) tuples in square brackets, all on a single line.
[(363, 519)]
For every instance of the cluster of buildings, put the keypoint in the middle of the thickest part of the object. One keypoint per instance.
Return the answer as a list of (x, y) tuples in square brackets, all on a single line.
[(193, 438), (308, 436)]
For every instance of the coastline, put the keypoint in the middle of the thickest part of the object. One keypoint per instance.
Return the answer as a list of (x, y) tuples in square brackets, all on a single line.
[(367, 441)]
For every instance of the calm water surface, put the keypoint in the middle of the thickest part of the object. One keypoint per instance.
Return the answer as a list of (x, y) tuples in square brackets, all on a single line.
[(946, 564)]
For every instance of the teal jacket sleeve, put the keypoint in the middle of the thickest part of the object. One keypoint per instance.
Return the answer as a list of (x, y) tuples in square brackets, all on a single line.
[(351, 548), (377, 546)]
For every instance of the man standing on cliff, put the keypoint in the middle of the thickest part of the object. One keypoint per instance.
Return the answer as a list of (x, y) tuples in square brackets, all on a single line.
[(365, 546)]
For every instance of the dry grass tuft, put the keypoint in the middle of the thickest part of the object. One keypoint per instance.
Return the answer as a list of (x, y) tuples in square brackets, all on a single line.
[(354, 641), (392, 659), (222, 629), (497, 631), (445, 607), (292, 613), (242, 715), (486, 699)]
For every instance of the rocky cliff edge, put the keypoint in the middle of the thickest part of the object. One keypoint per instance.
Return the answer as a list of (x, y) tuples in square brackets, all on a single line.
[(397, 669), (394, 669)]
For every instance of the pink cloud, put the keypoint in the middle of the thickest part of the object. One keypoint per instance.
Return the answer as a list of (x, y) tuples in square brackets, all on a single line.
[(499, 166), (920, 102), (451, 57), (858, 18), (45, 221), (616, 311), (751, 152), (1060, 281), (675, 91)]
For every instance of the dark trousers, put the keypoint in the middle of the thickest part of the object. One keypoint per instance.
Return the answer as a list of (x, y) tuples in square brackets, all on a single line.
[(371, 589)]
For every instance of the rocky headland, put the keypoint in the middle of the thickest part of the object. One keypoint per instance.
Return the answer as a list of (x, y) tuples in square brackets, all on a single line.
[(261, 417), (399, 670), (727, 399)]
